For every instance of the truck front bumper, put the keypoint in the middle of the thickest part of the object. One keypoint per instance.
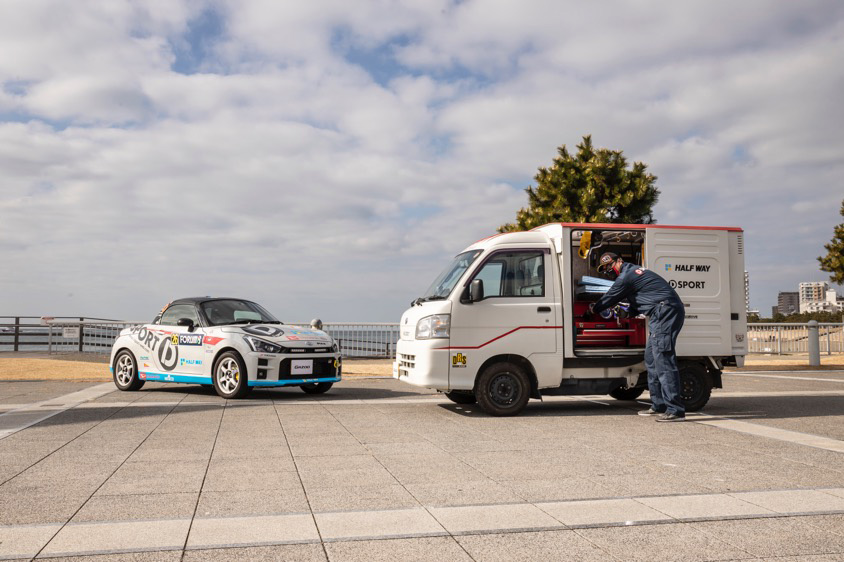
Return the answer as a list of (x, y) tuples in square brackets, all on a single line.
[(422, 363)]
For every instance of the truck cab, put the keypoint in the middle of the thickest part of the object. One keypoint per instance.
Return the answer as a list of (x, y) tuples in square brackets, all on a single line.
[(508, 319)]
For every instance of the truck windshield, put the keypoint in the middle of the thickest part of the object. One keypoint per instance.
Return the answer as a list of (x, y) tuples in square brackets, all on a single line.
[(445, 281)]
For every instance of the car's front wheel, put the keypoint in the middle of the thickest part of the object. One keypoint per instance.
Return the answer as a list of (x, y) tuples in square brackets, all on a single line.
[(230, 380), (503, 389), (125, 372), (317, 387)]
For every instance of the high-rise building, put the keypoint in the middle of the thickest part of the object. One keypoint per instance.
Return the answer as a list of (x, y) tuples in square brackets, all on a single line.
[(818, 297), (788, 303)]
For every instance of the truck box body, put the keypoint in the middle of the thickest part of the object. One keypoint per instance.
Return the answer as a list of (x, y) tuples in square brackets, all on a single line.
[(533, 314)]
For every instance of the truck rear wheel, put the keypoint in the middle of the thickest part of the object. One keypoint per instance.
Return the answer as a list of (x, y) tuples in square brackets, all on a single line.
[(503, 389), (624, 393), (461, 397), (695, 386)]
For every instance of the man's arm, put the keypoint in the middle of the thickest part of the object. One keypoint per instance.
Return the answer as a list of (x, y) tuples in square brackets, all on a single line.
[(617, 293)]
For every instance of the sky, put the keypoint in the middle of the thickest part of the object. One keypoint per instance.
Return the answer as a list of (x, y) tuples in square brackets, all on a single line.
[(327, 158)]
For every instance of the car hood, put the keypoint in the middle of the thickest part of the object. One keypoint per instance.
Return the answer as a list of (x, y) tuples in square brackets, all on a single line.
[(280, 333)]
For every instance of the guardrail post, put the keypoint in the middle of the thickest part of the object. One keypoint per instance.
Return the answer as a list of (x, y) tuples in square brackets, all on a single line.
[(814, 344), (81, 333), (779, 340), (828, 346), (17, 331)]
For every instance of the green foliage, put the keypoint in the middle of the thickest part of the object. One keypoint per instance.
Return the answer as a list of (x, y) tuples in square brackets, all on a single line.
[(594, 185), (835, 317), (833, 261)]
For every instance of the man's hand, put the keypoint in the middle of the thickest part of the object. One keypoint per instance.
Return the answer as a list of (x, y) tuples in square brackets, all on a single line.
[(591, 308)]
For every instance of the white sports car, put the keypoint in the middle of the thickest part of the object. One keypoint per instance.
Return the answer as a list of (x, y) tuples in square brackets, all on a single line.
[(232, 344)]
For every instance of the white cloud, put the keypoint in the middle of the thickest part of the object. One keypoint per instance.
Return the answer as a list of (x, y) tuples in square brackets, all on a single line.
[(284, 171)]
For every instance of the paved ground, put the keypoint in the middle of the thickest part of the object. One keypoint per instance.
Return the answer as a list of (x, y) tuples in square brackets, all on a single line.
[(378, 470)]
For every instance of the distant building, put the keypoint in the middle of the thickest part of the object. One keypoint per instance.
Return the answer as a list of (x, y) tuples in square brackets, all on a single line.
[(818, 297), (787, 303)]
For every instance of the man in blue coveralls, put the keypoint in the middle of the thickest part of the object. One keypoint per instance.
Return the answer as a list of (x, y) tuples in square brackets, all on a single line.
[(650, 294)]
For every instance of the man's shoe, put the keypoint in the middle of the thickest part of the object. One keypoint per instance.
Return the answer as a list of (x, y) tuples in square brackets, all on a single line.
[(671, 418), (649, 412)]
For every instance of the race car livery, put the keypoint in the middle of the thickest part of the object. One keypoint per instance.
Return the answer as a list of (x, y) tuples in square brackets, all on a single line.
[(232, 344)]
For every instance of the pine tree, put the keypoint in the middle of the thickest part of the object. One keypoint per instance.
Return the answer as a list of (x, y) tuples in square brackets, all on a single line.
[(593, 186), (833, 261)]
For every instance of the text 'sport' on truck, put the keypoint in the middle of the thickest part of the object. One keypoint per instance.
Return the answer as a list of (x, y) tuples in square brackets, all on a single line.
[(508, 319)]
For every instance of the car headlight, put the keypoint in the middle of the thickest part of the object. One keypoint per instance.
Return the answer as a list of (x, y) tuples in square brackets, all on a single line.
[(256, 344), (432, 327)]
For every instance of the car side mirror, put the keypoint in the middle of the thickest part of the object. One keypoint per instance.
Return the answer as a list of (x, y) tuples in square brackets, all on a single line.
[(186, 322), (476, 290)]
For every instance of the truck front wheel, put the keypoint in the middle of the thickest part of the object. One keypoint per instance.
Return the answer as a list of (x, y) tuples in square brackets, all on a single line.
[(503, 389), (695, 386)]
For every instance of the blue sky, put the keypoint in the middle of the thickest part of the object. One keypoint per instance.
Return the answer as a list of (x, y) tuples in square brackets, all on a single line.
[(327, 158)]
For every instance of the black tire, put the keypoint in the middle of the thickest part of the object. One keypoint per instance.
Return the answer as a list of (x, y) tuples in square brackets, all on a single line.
[(503, 389), (695, 386), (461, 397), (317, 387), (229, 375), (125, 372), (624, 393)]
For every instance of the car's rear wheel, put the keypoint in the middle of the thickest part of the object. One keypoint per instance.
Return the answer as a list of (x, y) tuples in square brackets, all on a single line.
[(230, 379), (316, 387), (125, 372)]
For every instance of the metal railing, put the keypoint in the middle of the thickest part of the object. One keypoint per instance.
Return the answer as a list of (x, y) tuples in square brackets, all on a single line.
[(97, 335), (784, 338)]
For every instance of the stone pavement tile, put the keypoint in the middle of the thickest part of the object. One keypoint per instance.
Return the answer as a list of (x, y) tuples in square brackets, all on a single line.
[(221, 481), (560, 489), (780, 536), (137, 507), (24, 541), (25, 506), (462, 493), (409, 469), (396, 523), (677, 541), (359, 498), (793, 501), (91, 538), (317, 464), (376, 476), (253, 530), (286, 552), (601, 512), (155, 556), (402, 448), (255, 464), (804, 558), (268, 501), (828, 523), (703, 506), (344, 447), (155, 478), (531, 546), (492, 518), (422, 549), (835, 491)]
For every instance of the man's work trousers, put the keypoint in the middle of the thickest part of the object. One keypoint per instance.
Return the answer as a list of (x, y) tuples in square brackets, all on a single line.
[(664, 324)]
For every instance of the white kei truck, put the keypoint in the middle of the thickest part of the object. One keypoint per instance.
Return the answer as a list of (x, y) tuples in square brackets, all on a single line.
[(508, 319)]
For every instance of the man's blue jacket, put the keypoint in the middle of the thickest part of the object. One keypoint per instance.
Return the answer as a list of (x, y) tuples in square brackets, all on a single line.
[(642, 288)]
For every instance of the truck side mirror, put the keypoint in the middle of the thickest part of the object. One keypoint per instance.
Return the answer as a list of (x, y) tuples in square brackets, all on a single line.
[(476, 290), (185, 322)]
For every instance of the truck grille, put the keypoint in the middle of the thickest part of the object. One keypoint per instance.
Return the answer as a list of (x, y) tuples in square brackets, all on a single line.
[(407, 361)]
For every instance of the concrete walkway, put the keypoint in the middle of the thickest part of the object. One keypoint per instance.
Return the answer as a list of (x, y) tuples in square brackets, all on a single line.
[(378, 470)]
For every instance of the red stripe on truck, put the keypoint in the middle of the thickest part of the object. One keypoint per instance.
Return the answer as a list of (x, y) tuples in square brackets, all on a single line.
[(501, 336)]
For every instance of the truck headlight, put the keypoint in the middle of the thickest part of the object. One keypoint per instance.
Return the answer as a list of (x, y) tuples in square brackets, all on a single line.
[(257, 344), (432, 327)]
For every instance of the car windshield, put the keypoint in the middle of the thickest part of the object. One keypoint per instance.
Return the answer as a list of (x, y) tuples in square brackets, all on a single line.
[(232, 311), (445, 281)]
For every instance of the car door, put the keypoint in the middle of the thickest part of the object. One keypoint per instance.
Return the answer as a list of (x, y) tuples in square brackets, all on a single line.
[(517, 314), (180, 354)]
